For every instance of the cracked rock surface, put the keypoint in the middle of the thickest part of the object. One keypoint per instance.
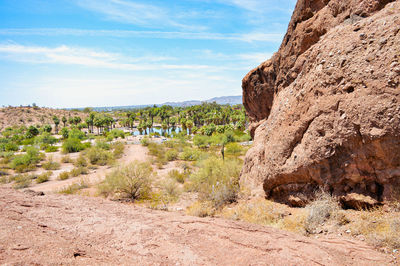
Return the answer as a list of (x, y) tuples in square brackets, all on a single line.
[(74, 230), (325, 109)]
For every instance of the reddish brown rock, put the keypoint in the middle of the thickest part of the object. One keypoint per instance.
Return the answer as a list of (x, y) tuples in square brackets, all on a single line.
[(325, 109)]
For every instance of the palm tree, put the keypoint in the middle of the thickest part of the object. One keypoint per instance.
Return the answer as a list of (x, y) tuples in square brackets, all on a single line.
[(164, 127), (64, 120), (56, 122), (189, 125)]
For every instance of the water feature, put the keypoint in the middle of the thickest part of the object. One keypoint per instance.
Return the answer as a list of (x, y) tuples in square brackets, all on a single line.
[(158, 130)]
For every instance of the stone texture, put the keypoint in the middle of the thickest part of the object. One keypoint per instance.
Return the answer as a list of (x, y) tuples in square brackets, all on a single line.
[(324, 110)]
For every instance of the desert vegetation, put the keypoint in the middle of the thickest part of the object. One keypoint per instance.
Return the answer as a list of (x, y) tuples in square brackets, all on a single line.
[(193, 162)]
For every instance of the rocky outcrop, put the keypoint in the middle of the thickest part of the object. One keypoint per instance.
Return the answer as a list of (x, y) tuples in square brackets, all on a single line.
[(325, 109)]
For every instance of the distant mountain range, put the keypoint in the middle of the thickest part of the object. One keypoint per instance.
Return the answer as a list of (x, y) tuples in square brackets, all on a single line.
[(232, 100)]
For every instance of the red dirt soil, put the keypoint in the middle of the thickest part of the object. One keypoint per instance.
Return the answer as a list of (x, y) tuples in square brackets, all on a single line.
[(58, 229)]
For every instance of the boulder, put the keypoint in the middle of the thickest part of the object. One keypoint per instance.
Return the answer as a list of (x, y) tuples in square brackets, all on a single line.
[(325, 109)]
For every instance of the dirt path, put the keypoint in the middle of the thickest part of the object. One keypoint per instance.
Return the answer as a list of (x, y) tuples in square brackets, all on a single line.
[(132, 152), (58, 229)]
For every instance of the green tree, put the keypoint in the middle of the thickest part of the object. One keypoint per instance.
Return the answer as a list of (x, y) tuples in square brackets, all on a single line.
[(64, 120), (56, 123)]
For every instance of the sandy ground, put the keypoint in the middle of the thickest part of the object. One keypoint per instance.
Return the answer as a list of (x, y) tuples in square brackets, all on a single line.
[(59, 229)]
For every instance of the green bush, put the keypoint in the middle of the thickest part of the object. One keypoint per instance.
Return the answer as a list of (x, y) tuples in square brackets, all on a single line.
[(99, 156), (100, 143), (63, 176), (51, 149), (118, 149), (171, 155), (25, 162), (201, 141), (44, 177), (76, 134), (189, 154), (132, 181), (233, 148), (145, 142), (72, 145), (217, 181)]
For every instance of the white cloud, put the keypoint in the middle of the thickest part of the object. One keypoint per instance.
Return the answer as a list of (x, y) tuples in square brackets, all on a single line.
[(246, 37), (91, 58), (137, 13)]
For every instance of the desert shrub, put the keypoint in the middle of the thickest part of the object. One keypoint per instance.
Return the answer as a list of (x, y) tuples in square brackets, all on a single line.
[(74, 188), (171, 155), (145, 141), (81, 161), (99, 156), (379, 228), (44, 177), (217, 181), (64, 132), (45, 138), (132, 181), (72, 145), (189, 154), (259, 211), (76, 134), (51, 165), (233, 148), (321, 209), (77, 171), (170, 189), (117, 133), (201, 209), (63, 176), (118, 149), (22, 181), (66, 159), (201, 141), (176, 175), (158, 151), (100, 143), (51, 149), (27, 161)]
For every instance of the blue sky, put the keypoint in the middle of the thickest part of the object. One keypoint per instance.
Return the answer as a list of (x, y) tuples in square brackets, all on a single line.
[(77, 53)]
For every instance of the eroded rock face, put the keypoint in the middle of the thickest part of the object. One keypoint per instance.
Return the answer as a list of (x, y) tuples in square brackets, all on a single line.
[(325, 109)]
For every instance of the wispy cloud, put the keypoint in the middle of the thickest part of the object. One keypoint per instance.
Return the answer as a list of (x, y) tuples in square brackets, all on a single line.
[(91, 58), (246, 37), (261, 6), (138, 13)]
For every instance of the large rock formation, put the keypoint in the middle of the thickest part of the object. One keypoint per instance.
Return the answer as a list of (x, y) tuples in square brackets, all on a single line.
[(325, 109)]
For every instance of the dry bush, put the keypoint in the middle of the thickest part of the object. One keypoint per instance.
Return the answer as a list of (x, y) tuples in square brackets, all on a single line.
[(323, 208), (63, 176), (259, 211), (75, 187), (201, 209), (51, 165), (176, 175), (22, 181), (81, 161), (44, 177), (379, 228), (77, 171), (66, 159)]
